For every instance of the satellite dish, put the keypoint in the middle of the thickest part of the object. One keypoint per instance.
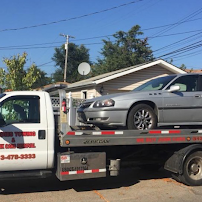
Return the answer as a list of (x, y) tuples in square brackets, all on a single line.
[(84, 68)]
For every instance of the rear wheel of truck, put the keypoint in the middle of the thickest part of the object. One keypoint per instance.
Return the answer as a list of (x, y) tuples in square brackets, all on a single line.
[(192, 170)]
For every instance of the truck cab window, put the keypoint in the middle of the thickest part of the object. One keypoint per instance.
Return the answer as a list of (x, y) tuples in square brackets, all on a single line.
[(20, 109)]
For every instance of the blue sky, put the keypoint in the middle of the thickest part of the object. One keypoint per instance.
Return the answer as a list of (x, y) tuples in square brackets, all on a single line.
[(154, 16)]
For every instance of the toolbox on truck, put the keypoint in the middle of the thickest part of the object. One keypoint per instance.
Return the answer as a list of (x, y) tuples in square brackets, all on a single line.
[(71, 166)]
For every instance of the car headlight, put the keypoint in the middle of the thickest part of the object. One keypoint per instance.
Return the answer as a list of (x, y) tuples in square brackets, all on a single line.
[(104, 103)]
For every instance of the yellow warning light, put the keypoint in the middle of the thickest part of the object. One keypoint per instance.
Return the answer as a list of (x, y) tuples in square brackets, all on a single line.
[(67, 142), (188, 138)]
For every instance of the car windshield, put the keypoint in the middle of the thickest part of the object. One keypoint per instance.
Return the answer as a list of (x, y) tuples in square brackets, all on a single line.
[(155, 84)]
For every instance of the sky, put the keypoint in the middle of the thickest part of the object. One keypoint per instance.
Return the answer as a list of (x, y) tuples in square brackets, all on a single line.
[(173, 28)]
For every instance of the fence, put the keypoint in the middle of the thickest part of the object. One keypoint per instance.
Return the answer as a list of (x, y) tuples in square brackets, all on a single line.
[(72, 106)]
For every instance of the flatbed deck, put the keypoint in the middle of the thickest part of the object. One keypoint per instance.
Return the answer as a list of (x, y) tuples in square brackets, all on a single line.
[(129, 137)]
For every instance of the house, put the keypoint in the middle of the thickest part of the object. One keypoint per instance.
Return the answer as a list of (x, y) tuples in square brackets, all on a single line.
[(52, 88), (122, 80), (193, 71)]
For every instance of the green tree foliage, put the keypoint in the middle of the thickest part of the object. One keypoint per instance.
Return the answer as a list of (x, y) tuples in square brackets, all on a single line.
[(42, 80), (183, 67), (17, 78), (127, 50), (76, 55)]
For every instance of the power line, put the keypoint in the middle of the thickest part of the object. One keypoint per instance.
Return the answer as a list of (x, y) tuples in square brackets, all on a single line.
[(26, 48), (58, 42), (96, 37), (170, 24), (32, 46), (183, 49), (45, 64), (177, 42), (42, 47), (73, 18), (179, 22), (179, 33), (189, 54)]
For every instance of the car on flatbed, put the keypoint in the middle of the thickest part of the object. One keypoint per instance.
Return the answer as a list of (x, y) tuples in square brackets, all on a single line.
[(173, 100)]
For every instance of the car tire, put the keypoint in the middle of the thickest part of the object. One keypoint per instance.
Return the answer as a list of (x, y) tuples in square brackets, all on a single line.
[(141, 117), (192, 170)]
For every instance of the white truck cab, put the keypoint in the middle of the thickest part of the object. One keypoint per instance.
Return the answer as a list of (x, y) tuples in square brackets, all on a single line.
[(27, 131)]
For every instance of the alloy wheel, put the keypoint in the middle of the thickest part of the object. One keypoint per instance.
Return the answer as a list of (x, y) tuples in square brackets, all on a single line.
[(142, 119)]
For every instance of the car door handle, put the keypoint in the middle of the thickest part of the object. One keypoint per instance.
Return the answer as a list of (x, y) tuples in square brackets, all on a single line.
[(197, 96), (42, 134)]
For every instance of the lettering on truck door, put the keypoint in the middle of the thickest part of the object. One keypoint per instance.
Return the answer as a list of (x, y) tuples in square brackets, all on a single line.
[(23, 133)]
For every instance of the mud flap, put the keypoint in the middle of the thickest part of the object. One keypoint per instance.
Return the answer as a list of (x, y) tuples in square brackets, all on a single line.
[(176, 161), (73, 166)]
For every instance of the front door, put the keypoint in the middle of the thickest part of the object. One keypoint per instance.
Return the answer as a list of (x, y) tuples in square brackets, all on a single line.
[(23, 133), (184, 105)]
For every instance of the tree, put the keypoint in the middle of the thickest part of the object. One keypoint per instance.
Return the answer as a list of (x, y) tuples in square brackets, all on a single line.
[(16, 77), (76, 55), (183, 67), (42, 80), (127, 50)]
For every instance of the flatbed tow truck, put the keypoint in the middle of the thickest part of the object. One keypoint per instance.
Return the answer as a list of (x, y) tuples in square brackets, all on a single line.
[(37, 141)]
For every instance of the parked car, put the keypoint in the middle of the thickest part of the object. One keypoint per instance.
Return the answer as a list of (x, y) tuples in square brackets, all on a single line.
[(171, 100)]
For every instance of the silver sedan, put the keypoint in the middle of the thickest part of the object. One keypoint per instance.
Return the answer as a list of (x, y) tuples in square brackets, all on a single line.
[(170, 100)]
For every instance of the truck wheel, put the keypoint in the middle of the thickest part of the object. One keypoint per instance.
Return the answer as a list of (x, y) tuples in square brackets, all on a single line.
[(192, 169), (141, 117)]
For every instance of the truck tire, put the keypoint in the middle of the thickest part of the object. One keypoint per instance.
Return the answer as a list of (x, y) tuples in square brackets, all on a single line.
[(192, 170), (141, 117)]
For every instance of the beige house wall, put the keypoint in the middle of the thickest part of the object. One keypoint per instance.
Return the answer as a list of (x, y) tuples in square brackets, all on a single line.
[(122, 84), (129, 82), (79, 93)]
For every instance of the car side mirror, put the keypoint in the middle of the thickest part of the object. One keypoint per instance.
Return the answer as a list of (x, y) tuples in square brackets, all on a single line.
[(174, 89)]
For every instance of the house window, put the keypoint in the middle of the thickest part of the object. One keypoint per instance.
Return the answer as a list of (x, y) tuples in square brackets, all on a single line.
[(84, 94)]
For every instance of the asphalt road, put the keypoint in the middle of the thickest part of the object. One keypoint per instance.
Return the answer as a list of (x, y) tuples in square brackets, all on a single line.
[(131, 185)]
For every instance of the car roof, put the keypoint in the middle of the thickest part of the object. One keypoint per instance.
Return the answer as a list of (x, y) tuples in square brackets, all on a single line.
[(189, 74)]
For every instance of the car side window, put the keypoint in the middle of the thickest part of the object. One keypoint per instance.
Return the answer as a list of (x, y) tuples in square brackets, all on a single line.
[(200, 83), (20, 109), (186, 83)]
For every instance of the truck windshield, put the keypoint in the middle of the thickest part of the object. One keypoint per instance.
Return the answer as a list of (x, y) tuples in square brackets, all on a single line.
[(2, 95), (155, 84)]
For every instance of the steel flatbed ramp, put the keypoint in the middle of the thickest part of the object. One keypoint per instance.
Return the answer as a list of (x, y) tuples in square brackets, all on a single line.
[(129, 137)]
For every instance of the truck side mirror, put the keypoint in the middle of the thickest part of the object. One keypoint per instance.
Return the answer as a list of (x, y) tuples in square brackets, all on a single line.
[(174, 89)]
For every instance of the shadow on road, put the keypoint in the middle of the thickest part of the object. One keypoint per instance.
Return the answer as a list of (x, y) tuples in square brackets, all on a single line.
[(125, 179)]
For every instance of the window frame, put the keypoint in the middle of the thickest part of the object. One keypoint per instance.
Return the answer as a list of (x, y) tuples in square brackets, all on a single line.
[(23, 97), (197, 86)]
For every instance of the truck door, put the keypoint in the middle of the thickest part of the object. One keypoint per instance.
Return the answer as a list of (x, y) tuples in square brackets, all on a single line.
[(23, 133)]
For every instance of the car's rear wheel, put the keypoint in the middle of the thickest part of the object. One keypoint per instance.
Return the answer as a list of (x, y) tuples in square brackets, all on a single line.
[(141, 117)]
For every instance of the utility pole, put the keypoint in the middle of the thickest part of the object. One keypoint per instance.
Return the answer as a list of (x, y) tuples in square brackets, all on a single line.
[(66, 56)]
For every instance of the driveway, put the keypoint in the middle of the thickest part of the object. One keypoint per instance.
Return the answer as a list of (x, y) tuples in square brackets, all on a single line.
[(131, 185)]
